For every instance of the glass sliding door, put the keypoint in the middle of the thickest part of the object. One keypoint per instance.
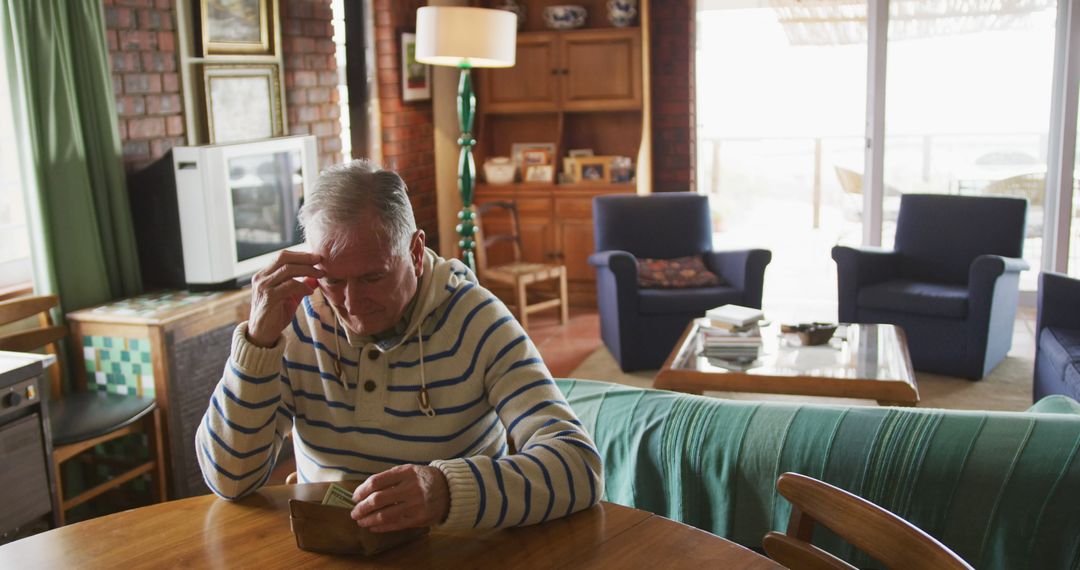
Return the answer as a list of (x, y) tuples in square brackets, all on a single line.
[(1074, 225), (781, 99), (968, 93)]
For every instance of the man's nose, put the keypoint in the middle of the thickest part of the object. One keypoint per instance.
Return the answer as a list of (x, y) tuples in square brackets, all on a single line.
[(354, 298)]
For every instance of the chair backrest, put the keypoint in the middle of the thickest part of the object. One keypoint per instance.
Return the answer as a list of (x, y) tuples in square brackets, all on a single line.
[(659, 226), (850, 181), (886, 537), (485, 239), (938, 236), (45, 335)]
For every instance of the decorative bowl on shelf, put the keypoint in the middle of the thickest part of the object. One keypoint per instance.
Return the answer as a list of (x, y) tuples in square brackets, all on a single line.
[(565, 16), (808, 334), (517, 7), (499, 170), (621, 12)]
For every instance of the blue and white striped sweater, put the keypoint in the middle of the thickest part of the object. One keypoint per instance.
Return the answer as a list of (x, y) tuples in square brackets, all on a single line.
[(485, 380)]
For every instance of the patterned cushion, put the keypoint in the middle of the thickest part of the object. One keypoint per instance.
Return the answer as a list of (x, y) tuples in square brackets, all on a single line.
[(677, 273)]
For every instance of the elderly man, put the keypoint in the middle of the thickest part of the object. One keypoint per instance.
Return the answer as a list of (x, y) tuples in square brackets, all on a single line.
[(392, 365)]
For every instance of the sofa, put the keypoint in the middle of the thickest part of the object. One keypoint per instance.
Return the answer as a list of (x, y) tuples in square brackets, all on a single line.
[(1057, 337), (1000, 489)]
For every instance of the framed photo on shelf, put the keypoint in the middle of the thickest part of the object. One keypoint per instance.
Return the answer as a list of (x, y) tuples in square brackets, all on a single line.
[(592, 169), (235, 27), (539, 173), (242, 102), (415, 76), (535, 152), (535, 157)]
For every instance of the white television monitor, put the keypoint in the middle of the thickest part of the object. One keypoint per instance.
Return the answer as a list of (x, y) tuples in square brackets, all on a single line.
[(208, 217)]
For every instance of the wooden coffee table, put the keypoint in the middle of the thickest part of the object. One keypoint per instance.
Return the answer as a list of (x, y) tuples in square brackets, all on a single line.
[(861, 361)]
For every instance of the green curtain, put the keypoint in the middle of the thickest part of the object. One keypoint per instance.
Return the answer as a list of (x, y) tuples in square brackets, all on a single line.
[(58, 73)]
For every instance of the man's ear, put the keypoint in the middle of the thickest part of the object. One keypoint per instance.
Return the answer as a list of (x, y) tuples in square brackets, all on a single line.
[(416, 252)]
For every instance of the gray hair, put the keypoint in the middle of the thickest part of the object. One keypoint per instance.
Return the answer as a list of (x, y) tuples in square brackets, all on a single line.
[(343, 192)]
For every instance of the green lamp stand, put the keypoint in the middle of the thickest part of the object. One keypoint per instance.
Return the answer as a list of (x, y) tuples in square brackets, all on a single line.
[(466, 38)]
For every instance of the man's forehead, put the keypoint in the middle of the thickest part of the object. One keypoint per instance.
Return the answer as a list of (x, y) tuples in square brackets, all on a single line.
[(369, 252)]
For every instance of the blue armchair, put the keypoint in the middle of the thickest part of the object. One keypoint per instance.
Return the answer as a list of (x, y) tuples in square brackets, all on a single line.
[(641, 326), (951, 281), (1057, 337)]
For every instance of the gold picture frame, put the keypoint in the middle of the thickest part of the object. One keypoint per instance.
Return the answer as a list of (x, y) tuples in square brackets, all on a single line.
[(539, 173), (235, 27), (591, 169), (242, 102)]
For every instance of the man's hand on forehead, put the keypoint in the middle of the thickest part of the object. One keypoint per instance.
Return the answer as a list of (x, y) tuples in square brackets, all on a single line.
[(277, 290)]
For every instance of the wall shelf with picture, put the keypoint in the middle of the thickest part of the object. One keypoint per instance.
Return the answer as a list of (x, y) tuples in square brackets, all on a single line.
[(231, 70), (577, 88)]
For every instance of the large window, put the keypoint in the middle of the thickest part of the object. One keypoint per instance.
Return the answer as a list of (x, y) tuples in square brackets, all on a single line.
[(338, 9), (781, 116), (784, 131), (14, 240), (968, 93)]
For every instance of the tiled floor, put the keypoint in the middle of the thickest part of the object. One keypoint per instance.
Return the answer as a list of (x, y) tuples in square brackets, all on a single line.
[(565, 347)]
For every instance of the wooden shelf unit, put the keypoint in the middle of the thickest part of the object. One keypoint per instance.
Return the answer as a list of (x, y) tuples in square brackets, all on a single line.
[(584, 88)]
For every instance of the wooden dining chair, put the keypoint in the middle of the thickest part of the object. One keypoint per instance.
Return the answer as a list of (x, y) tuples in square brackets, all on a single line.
[(517, 274), (887, 538), (83, 419)]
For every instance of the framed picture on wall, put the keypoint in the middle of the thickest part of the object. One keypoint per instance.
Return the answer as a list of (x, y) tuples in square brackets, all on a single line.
[(242, 102), (235, 27), (415, 76)]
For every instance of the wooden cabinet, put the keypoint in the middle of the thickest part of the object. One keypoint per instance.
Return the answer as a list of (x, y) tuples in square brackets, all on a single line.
[(528, 86), (556, 227), (577, 89), (171, 346), (577, 70), (601, 70)]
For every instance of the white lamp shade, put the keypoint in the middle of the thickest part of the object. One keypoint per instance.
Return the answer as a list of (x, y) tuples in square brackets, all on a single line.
[(477, 36)]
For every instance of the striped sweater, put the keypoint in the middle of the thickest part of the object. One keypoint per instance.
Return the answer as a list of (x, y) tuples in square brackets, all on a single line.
[(511, 449)]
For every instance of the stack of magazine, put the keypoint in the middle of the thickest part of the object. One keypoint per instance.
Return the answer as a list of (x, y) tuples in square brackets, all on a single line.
[(730, 336)]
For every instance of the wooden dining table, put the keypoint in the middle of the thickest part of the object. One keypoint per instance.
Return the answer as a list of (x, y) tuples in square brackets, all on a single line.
[(254, 532)]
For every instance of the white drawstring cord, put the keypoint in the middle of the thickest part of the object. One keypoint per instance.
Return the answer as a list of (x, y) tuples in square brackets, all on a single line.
[(337, 357), (422, 397)]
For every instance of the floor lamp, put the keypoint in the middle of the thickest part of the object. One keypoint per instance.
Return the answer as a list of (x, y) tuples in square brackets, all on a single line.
[(466, 38)]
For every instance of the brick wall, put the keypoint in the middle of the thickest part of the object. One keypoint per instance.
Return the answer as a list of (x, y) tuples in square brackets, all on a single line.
[(311, 76), (673, 112), (141, 38), (408, 141)]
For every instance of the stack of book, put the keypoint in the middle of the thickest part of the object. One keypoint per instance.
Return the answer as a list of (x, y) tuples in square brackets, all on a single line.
[(731, 334)]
